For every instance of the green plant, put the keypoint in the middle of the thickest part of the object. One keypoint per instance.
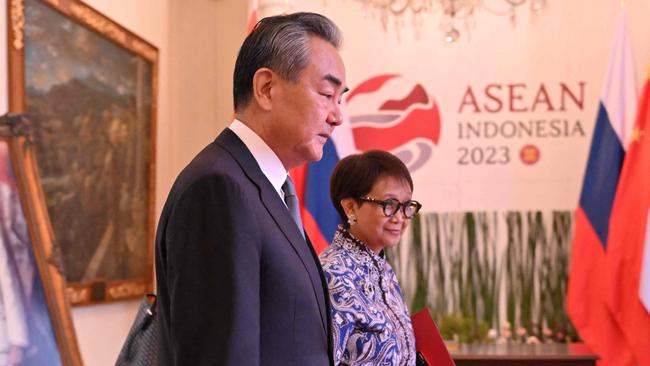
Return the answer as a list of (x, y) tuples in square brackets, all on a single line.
[(465, 329), (457, 263), (421, 268)]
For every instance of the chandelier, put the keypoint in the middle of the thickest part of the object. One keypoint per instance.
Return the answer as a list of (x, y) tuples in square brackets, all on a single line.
[(454, 12)]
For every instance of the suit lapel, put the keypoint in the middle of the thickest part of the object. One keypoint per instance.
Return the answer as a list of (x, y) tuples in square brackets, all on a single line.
[(280, 214)]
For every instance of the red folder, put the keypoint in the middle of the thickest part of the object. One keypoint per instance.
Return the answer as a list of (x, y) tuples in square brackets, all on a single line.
[(428, 340)]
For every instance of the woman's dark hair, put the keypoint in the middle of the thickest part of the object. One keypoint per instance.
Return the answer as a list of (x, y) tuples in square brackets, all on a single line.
[(355, 175)]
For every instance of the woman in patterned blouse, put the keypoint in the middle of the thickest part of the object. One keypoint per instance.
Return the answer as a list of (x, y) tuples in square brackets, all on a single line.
[(370, 320)]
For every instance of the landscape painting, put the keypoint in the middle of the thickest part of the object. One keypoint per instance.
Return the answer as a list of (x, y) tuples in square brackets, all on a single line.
[(89, 90)]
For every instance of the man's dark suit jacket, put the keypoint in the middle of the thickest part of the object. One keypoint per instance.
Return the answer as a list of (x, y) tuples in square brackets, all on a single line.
[(237, 284)]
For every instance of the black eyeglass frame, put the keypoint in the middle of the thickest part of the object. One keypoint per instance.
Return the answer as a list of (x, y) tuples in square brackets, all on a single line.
[(400, 205)]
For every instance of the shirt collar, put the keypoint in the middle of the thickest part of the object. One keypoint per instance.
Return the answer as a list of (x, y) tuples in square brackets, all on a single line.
[(358, 249), (268, 161)]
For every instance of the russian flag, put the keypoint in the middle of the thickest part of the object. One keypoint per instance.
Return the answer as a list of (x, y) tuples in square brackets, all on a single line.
[(628, 229), (586, 289), (319, 217)]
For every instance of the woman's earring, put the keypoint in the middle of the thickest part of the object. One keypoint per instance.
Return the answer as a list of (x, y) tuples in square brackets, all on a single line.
[(352, 220)]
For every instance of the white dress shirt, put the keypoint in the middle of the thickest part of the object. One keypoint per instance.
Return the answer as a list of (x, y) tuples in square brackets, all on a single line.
[(268, 161)]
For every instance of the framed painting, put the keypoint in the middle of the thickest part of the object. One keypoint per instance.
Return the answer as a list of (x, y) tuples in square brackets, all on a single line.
[(88, 87), (35, 323)]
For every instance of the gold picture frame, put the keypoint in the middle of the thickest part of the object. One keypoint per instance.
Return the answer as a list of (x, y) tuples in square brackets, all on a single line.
[(36, 322), (89, 88)]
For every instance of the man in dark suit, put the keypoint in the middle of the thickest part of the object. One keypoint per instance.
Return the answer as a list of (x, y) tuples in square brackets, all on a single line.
[(238, 281)]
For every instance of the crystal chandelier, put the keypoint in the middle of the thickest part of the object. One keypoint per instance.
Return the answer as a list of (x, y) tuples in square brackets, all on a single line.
[(453, 12)]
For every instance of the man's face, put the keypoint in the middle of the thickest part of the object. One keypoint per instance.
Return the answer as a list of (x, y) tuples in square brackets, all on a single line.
[(306, 111)]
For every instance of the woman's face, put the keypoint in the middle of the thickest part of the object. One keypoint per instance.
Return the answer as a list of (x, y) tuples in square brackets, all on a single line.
[(373, 228)]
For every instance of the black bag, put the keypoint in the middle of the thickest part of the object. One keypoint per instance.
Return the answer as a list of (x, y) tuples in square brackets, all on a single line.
[(141, 345)]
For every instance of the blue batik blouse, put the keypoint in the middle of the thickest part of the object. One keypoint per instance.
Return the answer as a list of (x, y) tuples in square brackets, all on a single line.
[(370, 320)]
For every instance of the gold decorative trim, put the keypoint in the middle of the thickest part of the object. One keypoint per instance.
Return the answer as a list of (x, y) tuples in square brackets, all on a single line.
[(125, 290), (112, 30), (18, 23), (78, 295), (95, 292), (144, 49), (56, 3), (98, 22)]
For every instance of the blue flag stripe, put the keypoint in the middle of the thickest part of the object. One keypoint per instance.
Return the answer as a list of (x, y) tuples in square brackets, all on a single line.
[(317, 191), (603, 169)]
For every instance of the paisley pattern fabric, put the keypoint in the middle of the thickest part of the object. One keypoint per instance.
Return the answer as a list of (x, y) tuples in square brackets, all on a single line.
[(370, 321)]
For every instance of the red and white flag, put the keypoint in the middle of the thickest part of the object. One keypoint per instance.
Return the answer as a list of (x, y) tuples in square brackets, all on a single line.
[(627, 237), (253, 15)]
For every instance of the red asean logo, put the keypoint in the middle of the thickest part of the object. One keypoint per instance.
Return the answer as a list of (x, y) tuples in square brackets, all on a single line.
[(408, 127), (529, 154)]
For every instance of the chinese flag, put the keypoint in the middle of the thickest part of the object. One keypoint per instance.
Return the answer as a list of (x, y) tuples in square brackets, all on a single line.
[(627, 234)]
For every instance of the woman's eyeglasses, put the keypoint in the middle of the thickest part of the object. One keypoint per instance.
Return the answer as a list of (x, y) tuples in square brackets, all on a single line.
[(392, 205)]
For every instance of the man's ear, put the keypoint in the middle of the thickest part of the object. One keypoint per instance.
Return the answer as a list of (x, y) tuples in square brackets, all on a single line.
[(263, 81)]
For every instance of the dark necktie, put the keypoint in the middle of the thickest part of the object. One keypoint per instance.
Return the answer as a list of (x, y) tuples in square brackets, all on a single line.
[(292, 203)]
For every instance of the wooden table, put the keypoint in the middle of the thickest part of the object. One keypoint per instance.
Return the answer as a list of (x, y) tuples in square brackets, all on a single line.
[(559, 354)]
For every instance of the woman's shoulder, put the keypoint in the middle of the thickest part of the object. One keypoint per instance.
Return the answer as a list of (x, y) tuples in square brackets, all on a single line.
[(334, 258)]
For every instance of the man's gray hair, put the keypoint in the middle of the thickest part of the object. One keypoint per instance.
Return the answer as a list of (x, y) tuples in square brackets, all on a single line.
[(280, 43)]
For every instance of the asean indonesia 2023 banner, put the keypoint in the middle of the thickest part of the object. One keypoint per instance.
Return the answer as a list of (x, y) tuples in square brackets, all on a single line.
[(495, 129)]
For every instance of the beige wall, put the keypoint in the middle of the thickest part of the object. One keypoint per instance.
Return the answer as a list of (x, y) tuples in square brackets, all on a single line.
[(101, 328), (204, 36), (198, 41)]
